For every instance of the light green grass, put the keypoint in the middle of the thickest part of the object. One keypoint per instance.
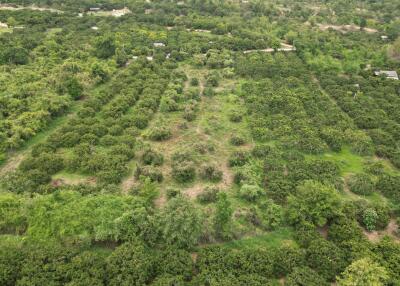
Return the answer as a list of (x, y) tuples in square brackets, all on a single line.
[(268, 240), (5, 30), (347, 161)]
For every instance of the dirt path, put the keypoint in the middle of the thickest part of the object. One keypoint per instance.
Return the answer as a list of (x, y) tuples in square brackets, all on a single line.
[(128, 184), (391, 230), (12, 163)]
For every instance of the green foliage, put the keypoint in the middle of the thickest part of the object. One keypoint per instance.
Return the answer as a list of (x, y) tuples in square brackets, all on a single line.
[(180, 223), (250, 192), (313, 202), (361, 184), (363, 272), (305, 276), (223, 216), (326, 258), (369, 219), (130, 264), (211, 173), (105, 46)]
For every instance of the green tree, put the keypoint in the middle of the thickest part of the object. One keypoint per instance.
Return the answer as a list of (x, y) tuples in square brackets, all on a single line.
[(180, 223), (363, 272), (223, 216), (105, 46), (313, 202), (131, 264)]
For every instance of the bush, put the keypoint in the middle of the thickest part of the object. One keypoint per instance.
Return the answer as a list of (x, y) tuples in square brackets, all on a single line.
[(369, 219), (235, 116), (183, 172), (151, 157), (250, 192), (210, 173), (237, 140), (194, 81), (305, 276), (389, 186), (209, 195), (172, 192), (326, 258), (130, 264), (238, 159), (287, 258), (158, 133), (150, 172), (361, 184)]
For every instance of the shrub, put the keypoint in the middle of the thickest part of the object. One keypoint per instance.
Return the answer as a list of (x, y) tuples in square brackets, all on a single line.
[(183, 172), (194, 81), (158, 133), (180, 223), (287, 258), (209, 91), (189, 114), (235, 116), (305, 276), (211, 173), (151, 157), (130, 264), (238, 159), (237, 140), (209, 195), (389, 185), (369, 219), (361, 184), (150, 172), (172, 192), (250, 192), (326, 258)]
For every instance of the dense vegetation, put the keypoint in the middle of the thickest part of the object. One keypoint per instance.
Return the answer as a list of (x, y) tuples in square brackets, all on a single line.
[(199, 143)]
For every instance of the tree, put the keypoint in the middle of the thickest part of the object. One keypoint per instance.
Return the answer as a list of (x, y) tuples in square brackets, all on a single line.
[(363, 272), (313, 202), (223, 216), (326, 258), (105, 46), (130, 264), (180, 223), (305, 276)]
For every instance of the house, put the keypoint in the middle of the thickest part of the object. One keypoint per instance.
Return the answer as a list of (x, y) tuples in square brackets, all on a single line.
[(384, 38), (3, 25), (158, 45), (94, 9), (388, 74), (149, 58), (95, 28)]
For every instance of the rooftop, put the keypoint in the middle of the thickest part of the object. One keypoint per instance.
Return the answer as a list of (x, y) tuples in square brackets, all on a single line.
[(388, 74)]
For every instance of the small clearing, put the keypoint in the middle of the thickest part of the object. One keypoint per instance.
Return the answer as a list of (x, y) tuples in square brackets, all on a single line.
[(32, 7), (391, 230), (345, 28), (284, 48), (112, 13)]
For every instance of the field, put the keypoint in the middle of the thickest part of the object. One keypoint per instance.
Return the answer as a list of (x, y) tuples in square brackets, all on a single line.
[(199, 143)]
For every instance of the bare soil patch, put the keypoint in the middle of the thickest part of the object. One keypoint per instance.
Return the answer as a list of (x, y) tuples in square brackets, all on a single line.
[(345, 28)]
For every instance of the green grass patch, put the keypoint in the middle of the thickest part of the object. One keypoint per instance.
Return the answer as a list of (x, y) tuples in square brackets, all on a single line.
[(347, 161), (267, 240)]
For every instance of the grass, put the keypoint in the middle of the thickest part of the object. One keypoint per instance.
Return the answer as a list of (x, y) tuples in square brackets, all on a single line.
[(347, 161), (268, 240), (5, 30)]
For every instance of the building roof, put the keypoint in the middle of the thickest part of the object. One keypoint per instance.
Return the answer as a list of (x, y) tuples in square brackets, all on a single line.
[(388, 74), (159, 44)]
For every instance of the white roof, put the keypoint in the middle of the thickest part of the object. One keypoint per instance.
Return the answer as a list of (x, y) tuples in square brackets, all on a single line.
[(389, 74), (95, 28), (159, 44)]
